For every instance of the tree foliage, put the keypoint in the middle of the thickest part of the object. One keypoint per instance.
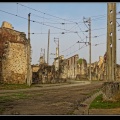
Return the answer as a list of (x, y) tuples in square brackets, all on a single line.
[(80, 61)]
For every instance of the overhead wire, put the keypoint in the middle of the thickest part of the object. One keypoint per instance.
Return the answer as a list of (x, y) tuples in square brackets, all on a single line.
[(35, 21), (45, 13)]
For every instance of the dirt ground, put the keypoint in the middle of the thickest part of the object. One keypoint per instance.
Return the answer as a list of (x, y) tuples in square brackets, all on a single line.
[(54, 100)]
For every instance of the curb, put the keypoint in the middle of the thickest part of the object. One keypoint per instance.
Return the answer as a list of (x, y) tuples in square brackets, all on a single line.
[(83, 108)]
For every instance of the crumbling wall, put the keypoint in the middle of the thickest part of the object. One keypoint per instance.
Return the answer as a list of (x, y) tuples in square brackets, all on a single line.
[(81, 69), (7, 25), (35, 68), (72, 66), (15, 65), (14, 58)]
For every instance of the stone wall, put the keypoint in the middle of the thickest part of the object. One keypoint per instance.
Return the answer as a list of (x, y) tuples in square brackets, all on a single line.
[(35, 68), (15, 65), (98, 69), (7, 25), (82, 70), (72, 66), (14, 57), (110, 90)]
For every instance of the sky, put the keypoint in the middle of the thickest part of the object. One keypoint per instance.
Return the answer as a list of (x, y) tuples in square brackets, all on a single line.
[(61, 17)]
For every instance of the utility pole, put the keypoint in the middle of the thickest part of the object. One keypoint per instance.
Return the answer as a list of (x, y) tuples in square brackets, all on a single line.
[(90, 45), (44, 55), (111, 86), (48, 47), (57, 50), (58, 56), (89, 29), (111, 41), (28, 53)]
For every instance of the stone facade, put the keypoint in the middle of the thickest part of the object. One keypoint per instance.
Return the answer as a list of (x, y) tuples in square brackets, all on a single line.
[(46, 73), (72, 66), (98, 69), (82, 69), (68, 67), (13, 56)]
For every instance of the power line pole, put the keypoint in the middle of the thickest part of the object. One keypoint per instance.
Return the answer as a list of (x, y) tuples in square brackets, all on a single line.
[(111, 42), (90, 45), (57, 45), (28, 53), (48, 47), (89, 29), (111, 87), (57, 55), (44, 55)]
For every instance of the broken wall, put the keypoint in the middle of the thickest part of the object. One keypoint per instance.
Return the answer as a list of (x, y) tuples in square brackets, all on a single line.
[(14, 57)]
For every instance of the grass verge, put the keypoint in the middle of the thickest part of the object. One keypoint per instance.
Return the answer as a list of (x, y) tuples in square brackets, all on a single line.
[(98, 103)]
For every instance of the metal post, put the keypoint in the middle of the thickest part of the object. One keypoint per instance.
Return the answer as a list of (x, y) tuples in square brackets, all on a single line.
[(89, 21), (90, 47), (57, 50), (28, 53), (44, 55), (48, 47)]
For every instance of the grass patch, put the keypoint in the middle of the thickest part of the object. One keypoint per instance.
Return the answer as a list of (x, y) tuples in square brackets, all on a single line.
[(13, 86), (15, 96), (98, 103)]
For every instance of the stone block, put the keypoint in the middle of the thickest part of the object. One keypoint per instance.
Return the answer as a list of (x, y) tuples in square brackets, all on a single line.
[(7, 25), (110, 89)]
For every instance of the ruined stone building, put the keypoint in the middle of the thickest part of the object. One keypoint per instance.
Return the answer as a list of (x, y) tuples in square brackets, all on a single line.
[(57, 60), (69, 67), (41, 60), (82, 69), (35, 75), (98, 71), (13, 55), (42, 73), (63, 69), (58, 63), (46, 73)]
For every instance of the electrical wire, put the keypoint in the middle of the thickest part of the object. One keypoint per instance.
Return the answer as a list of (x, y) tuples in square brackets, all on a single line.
[(35, 21), (45, 13)]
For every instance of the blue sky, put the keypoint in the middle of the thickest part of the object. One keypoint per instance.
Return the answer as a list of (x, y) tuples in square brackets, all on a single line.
[(50, 16)]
